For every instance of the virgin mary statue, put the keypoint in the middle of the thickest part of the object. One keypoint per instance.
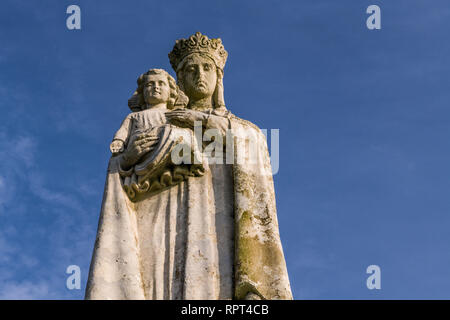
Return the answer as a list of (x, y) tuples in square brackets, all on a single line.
[(173, 229)]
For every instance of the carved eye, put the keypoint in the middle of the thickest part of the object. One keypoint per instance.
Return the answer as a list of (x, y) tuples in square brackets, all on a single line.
[(190, 69), (207, 67), (149, 84), (162, 83)]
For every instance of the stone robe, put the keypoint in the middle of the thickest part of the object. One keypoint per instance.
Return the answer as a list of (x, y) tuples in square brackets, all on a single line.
[(213, 236)]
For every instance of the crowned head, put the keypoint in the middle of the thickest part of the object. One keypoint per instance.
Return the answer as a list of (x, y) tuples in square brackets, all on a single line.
[(198, 43), (199, 62)]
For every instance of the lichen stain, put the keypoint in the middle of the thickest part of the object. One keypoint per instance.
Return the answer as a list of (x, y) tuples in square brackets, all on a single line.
[(255, 256)]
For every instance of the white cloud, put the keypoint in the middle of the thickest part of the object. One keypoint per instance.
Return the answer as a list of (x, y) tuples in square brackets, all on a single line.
[(16, 159), (6, 250), (18, 168), (24, 291), (17, 151), (23, 149), (19, 176), (3, 193), (38, 187)]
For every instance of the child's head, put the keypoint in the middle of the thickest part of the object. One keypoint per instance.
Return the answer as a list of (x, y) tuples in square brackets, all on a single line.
[(157, 86)]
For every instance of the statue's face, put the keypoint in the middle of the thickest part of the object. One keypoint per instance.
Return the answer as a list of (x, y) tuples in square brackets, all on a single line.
[(199, 77), (156, 89)]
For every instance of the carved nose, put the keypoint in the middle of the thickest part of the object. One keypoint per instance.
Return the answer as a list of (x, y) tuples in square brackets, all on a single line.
[(201, 76)]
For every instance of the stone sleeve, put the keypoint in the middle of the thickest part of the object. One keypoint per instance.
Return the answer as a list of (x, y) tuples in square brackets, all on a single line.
[(124, 131), (218, 122)]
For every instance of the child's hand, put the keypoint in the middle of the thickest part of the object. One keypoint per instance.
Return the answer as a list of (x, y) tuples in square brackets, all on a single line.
[(116, 146)]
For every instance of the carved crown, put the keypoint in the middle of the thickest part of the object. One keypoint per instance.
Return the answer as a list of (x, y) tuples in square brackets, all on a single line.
[(198, 43)]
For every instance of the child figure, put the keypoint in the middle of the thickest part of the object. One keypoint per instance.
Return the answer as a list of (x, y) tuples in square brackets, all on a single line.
[(157, 91), (153, 171)]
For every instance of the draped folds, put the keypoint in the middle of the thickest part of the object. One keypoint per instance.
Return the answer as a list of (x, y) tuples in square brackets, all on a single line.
[(213, 236)]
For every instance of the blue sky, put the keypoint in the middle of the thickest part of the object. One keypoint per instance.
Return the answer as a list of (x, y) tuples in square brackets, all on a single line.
[(363, 118)]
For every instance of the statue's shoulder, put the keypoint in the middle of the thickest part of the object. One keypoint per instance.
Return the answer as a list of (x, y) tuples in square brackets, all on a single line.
[(224, 112), (244, 122), (132, 115)]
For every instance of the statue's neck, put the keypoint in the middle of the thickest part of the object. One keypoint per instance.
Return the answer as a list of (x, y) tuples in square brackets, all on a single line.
[(202, 104), (156, 106)]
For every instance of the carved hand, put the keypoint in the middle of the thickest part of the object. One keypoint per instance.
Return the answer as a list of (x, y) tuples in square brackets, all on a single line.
[(185, 118), (116, 146), (135, 150)]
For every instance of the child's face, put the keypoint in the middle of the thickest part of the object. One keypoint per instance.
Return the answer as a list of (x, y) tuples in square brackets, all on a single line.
[(156, 89)]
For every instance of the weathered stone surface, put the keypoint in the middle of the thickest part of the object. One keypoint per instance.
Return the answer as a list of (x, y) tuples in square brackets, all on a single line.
[(205, 228)]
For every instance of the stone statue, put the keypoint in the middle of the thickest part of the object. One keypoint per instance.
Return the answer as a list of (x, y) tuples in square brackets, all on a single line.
[(204, 227)]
